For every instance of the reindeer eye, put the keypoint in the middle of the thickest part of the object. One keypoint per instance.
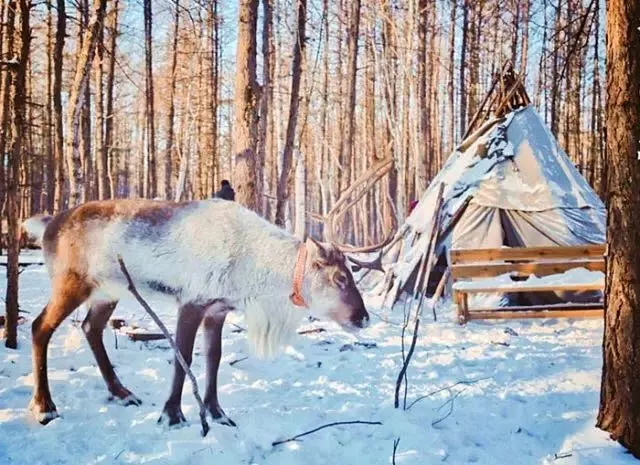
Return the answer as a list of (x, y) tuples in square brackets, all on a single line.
[(341, 279)]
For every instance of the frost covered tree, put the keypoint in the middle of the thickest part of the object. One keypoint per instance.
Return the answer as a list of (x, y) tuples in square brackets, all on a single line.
[(620, 392)]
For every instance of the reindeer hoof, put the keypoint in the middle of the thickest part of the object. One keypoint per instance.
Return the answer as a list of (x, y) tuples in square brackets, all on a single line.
[(43, 412), (218, 416), (172, 415), (126, 400), (123, 396)]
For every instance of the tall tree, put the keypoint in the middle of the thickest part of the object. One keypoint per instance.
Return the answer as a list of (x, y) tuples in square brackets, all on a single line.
[(6, 85), (245, 128), (76, 102), (112, 27), (266, 98), (282, 194), (61, 33), (168, 154), (19, 129), (619, 412), (150, 178), (101, 174)]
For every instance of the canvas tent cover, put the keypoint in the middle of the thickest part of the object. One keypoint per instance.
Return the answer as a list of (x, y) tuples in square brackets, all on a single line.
[(524, 191)]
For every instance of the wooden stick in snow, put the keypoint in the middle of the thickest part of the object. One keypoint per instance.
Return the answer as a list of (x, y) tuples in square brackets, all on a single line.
[(179, 357), (424, 270)]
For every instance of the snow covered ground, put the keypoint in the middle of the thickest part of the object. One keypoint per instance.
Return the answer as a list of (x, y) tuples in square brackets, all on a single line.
[(532, 395)]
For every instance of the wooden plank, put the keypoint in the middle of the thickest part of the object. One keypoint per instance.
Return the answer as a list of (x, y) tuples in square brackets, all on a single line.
[(568, 306), (523, 287), (524, 269), (136, 336), (514, 253), (511, 315)]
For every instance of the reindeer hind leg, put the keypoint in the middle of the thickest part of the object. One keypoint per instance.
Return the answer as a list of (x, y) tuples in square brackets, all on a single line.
[(93, 327), (69, 291)]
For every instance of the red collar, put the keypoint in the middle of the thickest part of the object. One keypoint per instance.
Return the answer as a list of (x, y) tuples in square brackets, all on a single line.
[(298, 277)]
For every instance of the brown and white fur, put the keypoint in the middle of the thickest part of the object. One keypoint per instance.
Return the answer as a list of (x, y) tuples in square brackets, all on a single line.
[(211, 256)]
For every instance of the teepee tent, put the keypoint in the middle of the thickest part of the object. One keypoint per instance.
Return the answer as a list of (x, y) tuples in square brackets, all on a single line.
[(508, 184)]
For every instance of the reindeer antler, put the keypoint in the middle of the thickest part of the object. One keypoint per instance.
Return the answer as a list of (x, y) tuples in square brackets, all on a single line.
[(372, 265)]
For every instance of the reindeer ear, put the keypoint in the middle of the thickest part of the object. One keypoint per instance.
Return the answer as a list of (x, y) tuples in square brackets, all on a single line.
[(317, 249)]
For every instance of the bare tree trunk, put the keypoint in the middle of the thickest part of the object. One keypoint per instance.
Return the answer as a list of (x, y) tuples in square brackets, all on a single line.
[(597, 161), (524, 47), (168, 155), (101, 151), (50, 167), (13, 175), (452, 67), (110, 190), (214, 44), (151, 182), (463, 66), (282, 194), (80, 82), (245, 107), (266, 98), (555, 85), (619, 412), (7, 79), (61, 32), (349, 129)]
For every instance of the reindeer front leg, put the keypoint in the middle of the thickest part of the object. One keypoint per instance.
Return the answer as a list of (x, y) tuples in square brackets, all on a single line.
[(189, 318), (213, 324)]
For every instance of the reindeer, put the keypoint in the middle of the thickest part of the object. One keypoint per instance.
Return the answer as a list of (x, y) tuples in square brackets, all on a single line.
[(211, 257)]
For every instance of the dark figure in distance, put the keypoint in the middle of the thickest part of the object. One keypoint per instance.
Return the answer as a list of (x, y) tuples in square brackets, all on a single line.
[(226, 192)]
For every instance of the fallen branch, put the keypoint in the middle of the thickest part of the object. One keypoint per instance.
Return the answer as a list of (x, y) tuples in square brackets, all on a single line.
[(467, 382), (312, 331), (179, 357), (297, 436), (238, 360), (449, 412)]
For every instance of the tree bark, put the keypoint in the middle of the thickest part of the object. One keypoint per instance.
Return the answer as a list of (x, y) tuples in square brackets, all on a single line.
[(463, 66), (169, 149), (245, 107), (110, 191), (452, 67), (266, 97), (102, 179), (6, 89), (619, 412), (75, 105), (151, 181), (61, 32), (50, 166), (282, 193), (13, 175)]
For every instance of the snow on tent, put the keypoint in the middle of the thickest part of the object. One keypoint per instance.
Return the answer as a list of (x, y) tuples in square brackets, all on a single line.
[(508, 184)]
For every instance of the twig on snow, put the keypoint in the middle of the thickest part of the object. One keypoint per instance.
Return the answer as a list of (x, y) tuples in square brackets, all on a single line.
[(312, 331), (297, 436), (396, 441), (233, 362), (467, 382), (450, 411), (179, 357)]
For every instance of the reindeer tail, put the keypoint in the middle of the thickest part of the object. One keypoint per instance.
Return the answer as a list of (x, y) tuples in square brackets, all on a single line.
[(36, 225)]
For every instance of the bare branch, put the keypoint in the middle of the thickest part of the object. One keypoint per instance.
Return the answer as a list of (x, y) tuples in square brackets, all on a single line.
[(179, 358), (297, 436)]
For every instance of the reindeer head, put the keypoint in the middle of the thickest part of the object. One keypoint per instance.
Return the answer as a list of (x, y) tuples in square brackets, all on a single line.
[(333, 291)]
